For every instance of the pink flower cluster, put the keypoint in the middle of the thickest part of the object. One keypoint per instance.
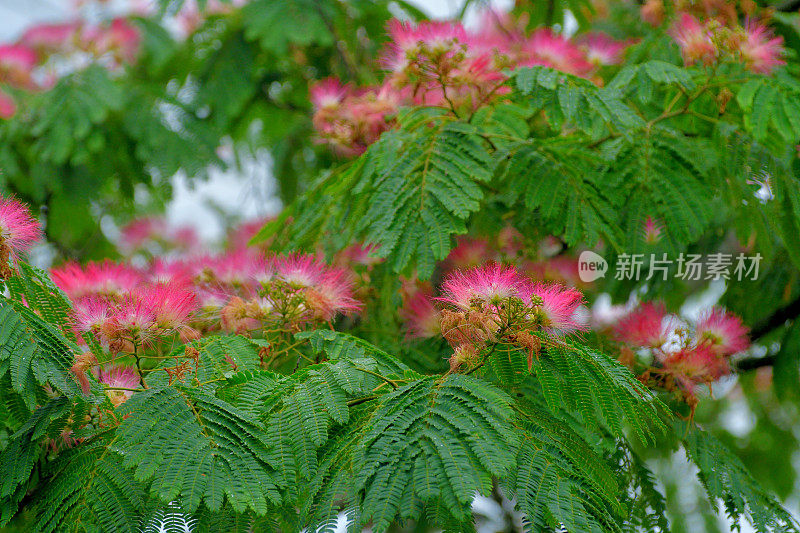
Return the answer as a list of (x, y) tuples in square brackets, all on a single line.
[(683, 355), (28, 65), (442, 64), (241, 290), (122, 309), (709, 41), (494, 303)]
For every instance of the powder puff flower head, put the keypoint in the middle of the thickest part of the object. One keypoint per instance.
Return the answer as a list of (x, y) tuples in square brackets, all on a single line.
[(18, 231), (324, 291), (495, 303), (695, 39), (722, 331), (759, 48), (646, 326)]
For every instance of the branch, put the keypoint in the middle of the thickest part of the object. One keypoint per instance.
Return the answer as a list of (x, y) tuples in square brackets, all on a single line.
[(754, 363), (777, 319)]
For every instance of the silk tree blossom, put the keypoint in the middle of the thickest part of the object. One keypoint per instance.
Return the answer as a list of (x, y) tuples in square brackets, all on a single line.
[(51, 38), (695, 40), (496, 304), (759, 48), (325, 291), (601, 49), (142, 233), (16, 63), (652, 231), (722, 331), (558, 308), (18, 229), (695, 365), (486, 285), (141, 317), (119, 379), (421, 317), (106, 279), (552, 50), (646, 326)]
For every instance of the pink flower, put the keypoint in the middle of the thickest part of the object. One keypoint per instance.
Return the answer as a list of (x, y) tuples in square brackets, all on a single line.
[(695, 40), (601, 49), (8, 108), (696, 365), (124, 377), (106, 279), (135, 319), (120, 38), (468, 253), (651, 232), (18, 229), (760, 49), (484, 285), (723, 332), (16, 63), (49, 38), (328, 291), (420, 315), (237, 269), (240, 237), (556, 51), (645, 326), (172, 306), (328, 93), (406, 40), (140, 233), (559, 306), (92, 314)]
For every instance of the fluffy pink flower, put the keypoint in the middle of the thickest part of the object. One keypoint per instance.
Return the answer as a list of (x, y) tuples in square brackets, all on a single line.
[(328, 93), (695, 40), (236, 269), (92, 314), (49, 38), (406, 39), (328, 291), (124, 377), (100, 279), (651, 232), (556, 51), (468, 253), (484, 284), (760, 49), (16, 63), (696, 365), (601, 49), (172, 306), (421, 316), (722, 331), (135, 318), (141, 232), (240, 237), (19, 230), (559, 306), (645, 326)]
